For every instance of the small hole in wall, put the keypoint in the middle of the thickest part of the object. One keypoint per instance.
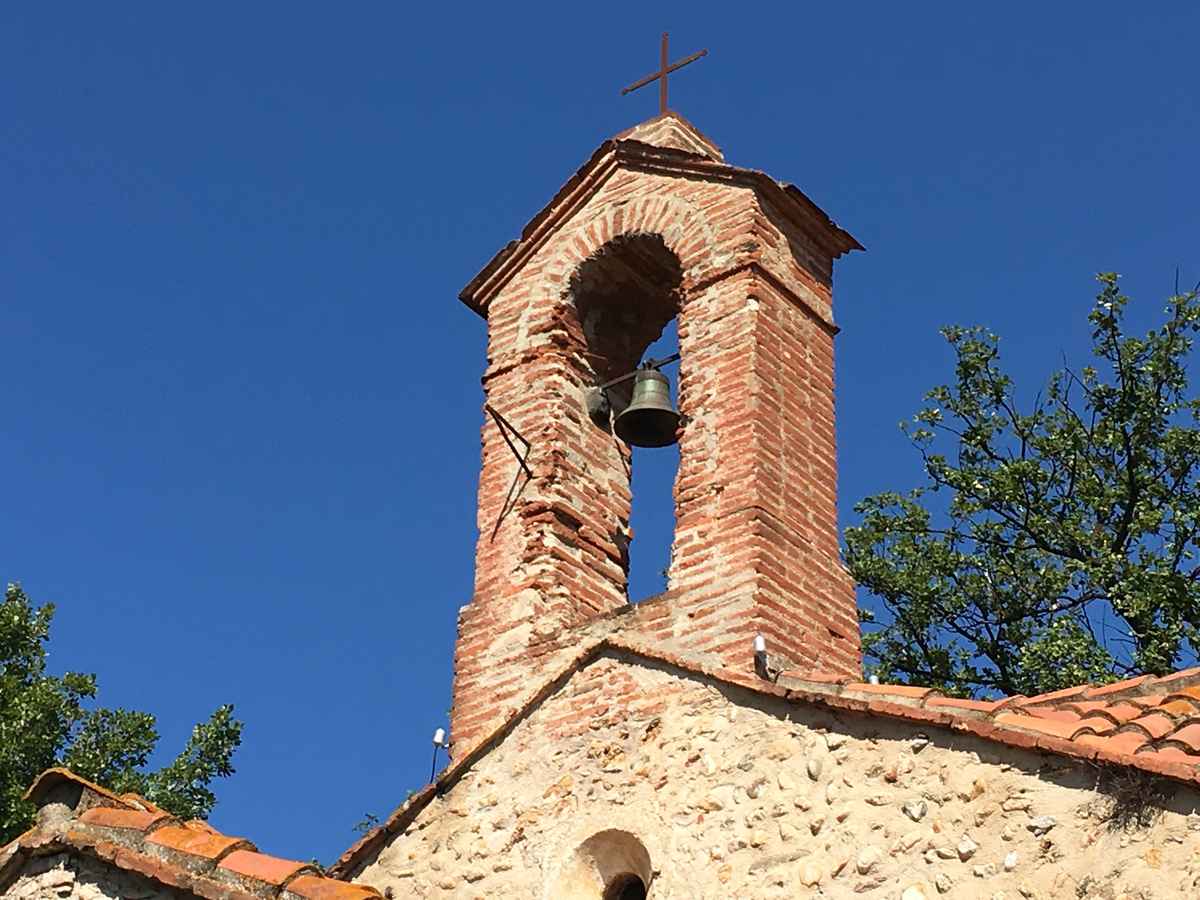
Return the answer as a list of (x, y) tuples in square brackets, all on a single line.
[(626, 887)]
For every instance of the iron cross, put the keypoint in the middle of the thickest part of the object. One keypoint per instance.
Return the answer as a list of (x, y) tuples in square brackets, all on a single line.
[(661, 75)]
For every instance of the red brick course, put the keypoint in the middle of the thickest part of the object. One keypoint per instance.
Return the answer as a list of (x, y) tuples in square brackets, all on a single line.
[(642, 234)]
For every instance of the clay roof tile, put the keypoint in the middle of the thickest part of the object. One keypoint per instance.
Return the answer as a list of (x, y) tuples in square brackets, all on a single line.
[(952, 703), (261, 867), (1117, 687), (907, 691), (1188, 736), (1032, 723), (1057, 715), (111, 817), (1122, 742), (1095, 724), (1055, 697), (1172, 754), (1178, 679), (1155, 724), (313, 887), (203, 842)]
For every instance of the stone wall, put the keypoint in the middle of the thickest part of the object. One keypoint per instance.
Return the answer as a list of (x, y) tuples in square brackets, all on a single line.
[(63, 875), (634, 769)]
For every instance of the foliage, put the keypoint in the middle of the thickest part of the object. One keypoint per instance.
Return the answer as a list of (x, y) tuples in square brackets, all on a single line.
[(46, 720), (1051, 547), (367, 824)]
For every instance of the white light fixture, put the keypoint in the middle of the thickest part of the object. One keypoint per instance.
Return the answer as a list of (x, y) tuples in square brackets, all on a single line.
[(760, 657), (439, 743)]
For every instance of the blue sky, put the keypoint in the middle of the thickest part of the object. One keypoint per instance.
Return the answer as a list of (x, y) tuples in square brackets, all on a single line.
[(241, 401)]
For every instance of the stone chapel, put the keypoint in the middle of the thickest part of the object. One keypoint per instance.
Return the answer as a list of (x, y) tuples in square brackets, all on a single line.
[(716, 741)]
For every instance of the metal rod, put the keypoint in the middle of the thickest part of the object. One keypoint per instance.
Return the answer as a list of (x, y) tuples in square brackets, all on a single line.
[(665, 67), (664, 61), (505, 427), (648, 364), (642, 82)]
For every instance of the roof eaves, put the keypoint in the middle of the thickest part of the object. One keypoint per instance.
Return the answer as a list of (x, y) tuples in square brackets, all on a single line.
[(923, 706), (635, 155), (140, 837)]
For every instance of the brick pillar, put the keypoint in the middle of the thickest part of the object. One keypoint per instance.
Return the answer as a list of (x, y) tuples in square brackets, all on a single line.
[(641, 234), (756, 539)]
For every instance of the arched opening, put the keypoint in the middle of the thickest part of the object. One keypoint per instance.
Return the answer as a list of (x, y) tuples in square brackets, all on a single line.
[(610, 865), (627, 295), (626, 887), (652, 518)]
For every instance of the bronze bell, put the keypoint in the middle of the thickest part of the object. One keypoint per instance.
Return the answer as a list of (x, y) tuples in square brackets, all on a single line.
[(649, 420)]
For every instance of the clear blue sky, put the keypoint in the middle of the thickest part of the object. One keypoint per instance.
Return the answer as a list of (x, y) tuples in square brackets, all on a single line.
[(241, 401)]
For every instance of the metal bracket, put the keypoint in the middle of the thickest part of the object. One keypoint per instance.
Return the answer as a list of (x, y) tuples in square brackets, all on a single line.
[(506, 428), (508, 432)]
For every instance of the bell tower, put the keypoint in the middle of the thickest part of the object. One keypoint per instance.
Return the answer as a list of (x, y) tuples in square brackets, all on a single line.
[(657, 226)]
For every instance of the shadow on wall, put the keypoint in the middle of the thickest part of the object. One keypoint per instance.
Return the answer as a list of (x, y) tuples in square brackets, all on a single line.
[(610, 865)]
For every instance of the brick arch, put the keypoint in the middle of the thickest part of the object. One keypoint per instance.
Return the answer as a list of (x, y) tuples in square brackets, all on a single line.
[(685, 229)]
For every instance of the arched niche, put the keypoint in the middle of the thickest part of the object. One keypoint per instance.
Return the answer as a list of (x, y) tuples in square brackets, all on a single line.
[(624, 295), (609, 865)]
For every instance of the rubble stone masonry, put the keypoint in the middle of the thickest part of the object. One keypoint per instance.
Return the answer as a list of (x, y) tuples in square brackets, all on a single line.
[(706, 790), (65, 875)]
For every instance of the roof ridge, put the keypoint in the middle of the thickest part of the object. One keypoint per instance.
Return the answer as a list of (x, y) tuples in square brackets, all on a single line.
[(1003, 721)]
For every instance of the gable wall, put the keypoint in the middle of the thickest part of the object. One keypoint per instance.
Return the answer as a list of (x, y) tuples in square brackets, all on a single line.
[(737, 795)]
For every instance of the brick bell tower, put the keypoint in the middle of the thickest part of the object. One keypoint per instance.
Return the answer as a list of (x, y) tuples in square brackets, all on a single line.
[(655, 226)]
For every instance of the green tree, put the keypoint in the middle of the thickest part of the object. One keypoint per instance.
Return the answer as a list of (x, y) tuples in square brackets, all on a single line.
[(47, 720), (1049, 547)]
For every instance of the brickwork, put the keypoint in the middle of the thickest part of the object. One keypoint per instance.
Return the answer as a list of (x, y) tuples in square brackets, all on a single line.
[(642, 235), (705, 790)]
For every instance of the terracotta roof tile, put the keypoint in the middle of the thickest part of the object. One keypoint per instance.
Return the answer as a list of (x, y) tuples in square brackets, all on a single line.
[(1177, 706), (1174, 754), (1188, 735), (202, 842), (1032, 723), (261, 867), (1121, 742), (1175, 678), (109, 817), (1117, 687), (1096, 724), (1123, 711), (1057, 715), (178, 854), (311, 887), (983, 706), (1077, 693), (1155, 724), (892, 690)]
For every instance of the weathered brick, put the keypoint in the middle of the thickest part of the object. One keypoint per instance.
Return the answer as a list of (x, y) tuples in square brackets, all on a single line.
[(618, 254)]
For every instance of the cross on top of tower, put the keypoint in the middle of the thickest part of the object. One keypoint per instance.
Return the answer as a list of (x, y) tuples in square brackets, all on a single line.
[(665, 68)]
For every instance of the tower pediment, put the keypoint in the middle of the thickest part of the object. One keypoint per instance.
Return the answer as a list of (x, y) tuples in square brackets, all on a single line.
[(666, 145)]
